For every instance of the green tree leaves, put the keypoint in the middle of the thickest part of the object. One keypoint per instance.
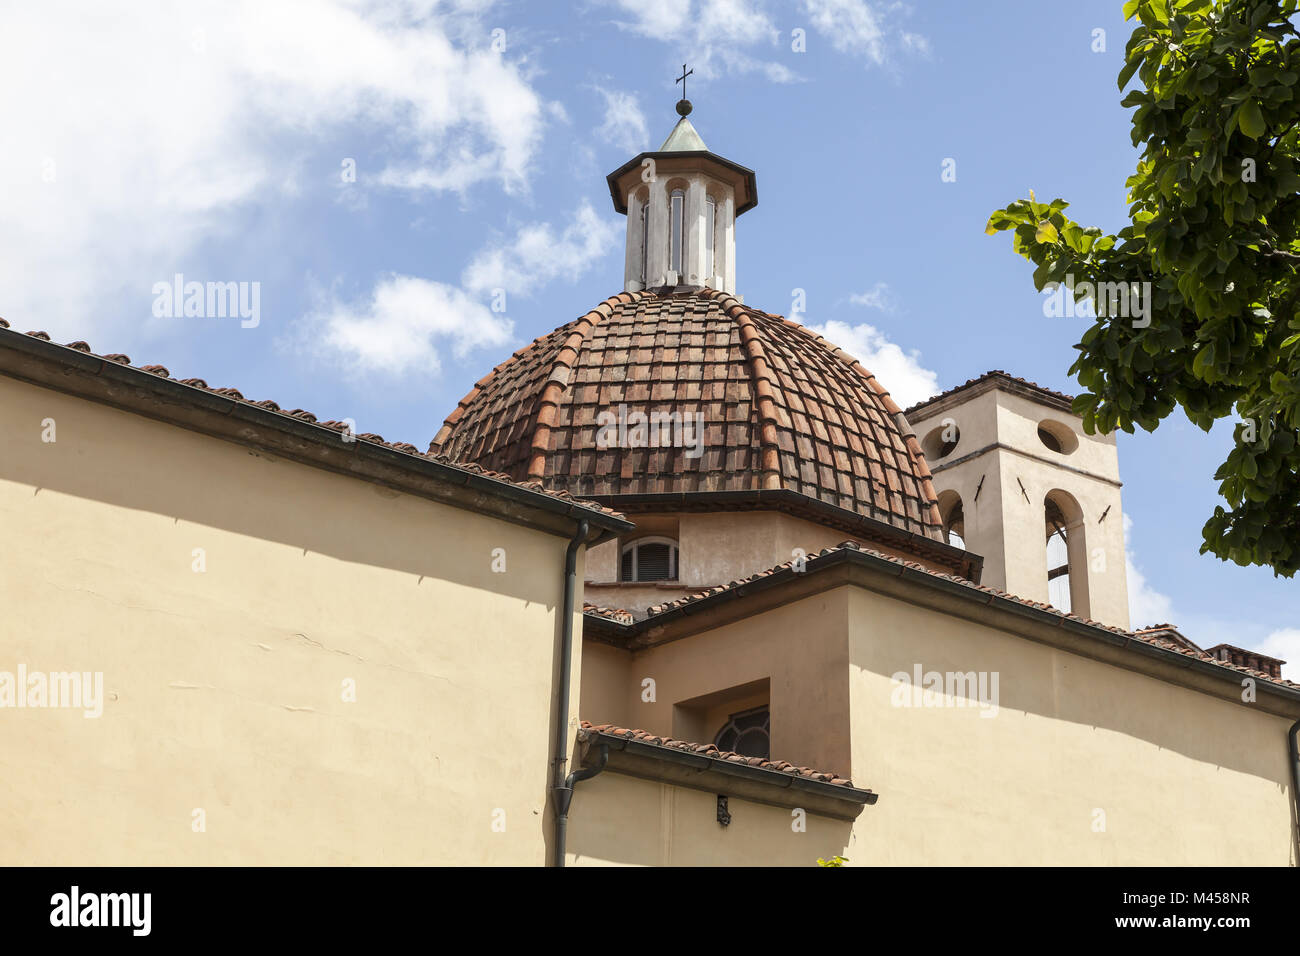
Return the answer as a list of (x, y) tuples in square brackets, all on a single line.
[(1251, 120), (1214, 236)]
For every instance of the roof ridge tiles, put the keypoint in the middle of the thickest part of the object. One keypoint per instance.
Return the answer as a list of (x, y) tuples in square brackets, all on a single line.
[(449, 424), (900, 419), (759, 369), (549, 402)]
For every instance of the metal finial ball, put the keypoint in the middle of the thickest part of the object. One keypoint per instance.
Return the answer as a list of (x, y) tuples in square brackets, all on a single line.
[(684, 107)]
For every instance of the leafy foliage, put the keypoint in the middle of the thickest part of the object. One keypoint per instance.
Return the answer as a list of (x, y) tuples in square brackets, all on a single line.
[(833, 861), (1213, 237)]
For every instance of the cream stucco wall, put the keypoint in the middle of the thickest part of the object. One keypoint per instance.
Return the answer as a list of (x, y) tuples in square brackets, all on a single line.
[(1013, 473), (1084, 762), (622, 820), (1182, 778), (225, 687)]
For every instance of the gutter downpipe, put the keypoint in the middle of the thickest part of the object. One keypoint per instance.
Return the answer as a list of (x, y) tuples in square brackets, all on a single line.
[(563, 786), (1293, 744)]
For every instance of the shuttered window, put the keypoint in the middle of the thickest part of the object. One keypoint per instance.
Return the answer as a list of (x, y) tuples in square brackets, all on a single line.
[(649, 560)]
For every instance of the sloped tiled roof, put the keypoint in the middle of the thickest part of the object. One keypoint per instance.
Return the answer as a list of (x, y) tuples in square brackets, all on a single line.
[(1166, 633), (1251, 660), (337, 426), (996, 375), (709, 750), (782, 409)]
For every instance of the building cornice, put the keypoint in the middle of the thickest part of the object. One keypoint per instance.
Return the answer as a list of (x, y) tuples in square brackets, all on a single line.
[(742, 175), (987, 382), (997, 445)]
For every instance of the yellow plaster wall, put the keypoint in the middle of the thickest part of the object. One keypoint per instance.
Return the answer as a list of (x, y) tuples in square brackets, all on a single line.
[(619, 820), (1083, 763), (224, 687)]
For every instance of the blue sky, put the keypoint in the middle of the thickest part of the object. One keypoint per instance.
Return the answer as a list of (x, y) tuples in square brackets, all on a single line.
[(213, 141)]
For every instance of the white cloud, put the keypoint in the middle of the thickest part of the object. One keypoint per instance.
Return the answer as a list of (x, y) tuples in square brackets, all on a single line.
[(742, 36), (1146, 605), (914, 43), (879, 296), (538, 254), (406, 323), (861, 28), (851, 25), (712, 35), (1283, 644), (899, 371), (158, 125), (403, 327), (625, 124), (661, 19)]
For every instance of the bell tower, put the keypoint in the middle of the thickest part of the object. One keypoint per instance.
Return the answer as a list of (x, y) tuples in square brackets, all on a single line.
[(681, 203), (1020, 483)]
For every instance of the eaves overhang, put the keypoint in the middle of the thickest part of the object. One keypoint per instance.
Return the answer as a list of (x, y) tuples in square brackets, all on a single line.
[(744, 175), (1001, 381), (712, 774)]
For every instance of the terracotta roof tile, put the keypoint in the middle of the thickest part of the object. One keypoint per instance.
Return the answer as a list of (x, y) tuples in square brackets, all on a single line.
[(617, 615), (709, 750), (994, 374), (1249, 660), (781, 407)]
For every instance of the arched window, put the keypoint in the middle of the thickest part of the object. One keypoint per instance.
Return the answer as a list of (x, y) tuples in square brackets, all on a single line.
[(748, 732), (1066, 538), (645, 241), (649, 559), (1058, 558), (710, 226), (954, 520), (676, 230)]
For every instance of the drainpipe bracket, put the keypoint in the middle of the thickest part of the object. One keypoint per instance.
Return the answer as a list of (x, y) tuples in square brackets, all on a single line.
[(563, 799)]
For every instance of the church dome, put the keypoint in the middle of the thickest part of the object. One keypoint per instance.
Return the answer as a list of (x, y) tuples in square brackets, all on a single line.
[(779, 409)]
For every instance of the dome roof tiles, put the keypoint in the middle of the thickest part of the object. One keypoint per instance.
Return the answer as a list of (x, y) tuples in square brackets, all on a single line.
[(780, 408)]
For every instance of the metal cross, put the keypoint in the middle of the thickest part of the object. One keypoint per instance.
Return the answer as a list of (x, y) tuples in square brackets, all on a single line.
[(682, 79)]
